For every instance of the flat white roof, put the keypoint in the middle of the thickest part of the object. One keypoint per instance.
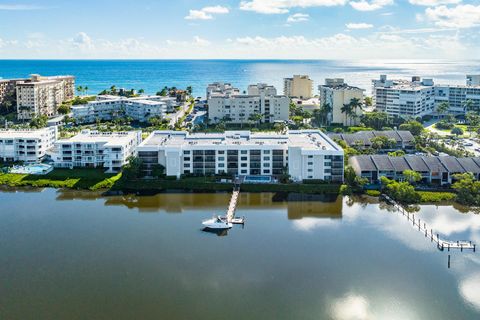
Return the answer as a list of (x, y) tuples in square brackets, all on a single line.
[(23, 133), (306, 139), (110, 138)]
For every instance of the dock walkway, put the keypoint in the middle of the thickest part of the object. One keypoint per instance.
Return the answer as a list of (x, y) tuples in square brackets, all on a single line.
[(233, 203), (422, 227)]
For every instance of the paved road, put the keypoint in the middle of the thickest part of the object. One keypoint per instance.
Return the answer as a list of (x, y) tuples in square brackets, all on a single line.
[(173, 117)]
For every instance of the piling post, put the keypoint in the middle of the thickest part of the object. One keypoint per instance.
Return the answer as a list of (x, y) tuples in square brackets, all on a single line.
[(448, 261), (473, 247), (419, 223)]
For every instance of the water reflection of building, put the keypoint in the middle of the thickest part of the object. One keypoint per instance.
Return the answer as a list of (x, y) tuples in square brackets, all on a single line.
[(314, 206), (298, 206)]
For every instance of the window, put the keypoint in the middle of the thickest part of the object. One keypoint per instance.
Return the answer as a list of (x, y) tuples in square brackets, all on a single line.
[(266, 165), (186, 151), (310, 157), (221, 152), (244, 158), (266, 171), (244, 171), (310, 170), (310, 163), (221, 165), (266, 158), (221, 158), (266, 151), (244, 151), (186, 159), (244, 165), (186, 165)]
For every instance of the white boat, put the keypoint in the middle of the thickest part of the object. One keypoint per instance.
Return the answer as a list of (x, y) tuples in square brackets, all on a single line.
[(217, 223)]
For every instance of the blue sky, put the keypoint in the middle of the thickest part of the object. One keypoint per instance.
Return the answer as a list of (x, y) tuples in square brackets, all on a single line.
[(291, 29)]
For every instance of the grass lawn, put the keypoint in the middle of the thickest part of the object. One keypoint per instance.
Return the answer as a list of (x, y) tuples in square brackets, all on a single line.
[(92, 179)]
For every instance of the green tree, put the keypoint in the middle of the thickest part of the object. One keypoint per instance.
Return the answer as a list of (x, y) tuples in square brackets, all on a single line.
[(442, 108), (457, 131), (415, 127), (132, 170), (80, 90), (368, 101), (280, 127), (141, 91), (64, 108), (400, 191), (412, 176), (398, 153), (39, 122), (376, 120), (255, 118), (382, 143), (467, 188)]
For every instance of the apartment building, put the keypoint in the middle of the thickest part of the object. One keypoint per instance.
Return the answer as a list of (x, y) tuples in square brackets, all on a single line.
[(337, 93), (239, 108), (7, 90), (305, 154), (457, 96), (42, 95), (221, 88), (261, 88), (300, 86), (403, 98), (107, 108), (26, 145), (93, 149), (434, 170)]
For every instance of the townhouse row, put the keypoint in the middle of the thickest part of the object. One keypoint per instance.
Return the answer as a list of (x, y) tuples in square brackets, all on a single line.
[(434, 170)]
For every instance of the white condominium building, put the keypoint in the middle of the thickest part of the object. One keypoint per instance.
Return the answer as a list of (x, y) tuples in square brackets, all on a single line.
[(26, 145), (457, 96), (336, 93), (261, 88), (107, 108), (239, 108), (93, 149), (300, 86), (41, 96), (402, 98), (305, 154), (221, 88)]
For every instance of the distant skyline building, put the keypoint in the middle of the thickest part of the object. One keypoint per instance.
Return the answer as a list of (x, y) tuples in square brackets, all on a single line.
[(459, 96), (41, 96), (337, 93), (404, 98), (230, 106), (300, 86)]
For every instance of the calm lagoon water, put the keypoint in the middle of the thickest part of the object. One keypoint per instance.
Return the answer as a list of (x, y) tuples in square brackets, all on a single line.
[(78, 255), (151, 75)]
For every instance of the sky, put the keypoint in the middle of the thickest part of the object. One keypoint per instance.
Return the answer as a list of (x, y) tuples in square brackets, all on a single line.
[(240, 29)]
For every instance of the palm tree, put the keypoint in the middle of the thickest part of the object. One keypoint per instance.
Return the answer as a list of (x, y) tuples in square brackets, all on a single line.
[(442, 108), (80, 89), (325, 110), (469, 105), (280, 127), (141, 91), (86, 90), (347, 110)]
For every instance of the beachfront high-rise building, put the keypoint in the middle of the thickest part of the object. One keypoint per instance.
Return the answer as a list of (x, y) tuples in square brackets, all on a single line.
[(107, 108), (459, 97), (306, 154), (337, 93), (8, 93), (240, 108), (300, 86), (93, 149), (26, 145), (403, 98), (40, 96)]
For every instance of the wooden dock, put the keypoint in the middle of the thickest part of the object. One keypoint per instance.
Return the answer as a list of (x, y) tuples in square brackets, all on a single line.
[(233, 203), (422, 227)]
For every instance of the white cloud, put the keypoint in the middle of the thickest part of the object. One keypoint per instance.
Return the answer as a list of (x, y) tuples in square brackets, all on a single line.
[(351, 307), (201, 42), (19, 7), (364, 5), (433, 3), (356, 26), (82, 41), (298, 17), (283, 6), (461, 16), (206, 13), (469, 289)]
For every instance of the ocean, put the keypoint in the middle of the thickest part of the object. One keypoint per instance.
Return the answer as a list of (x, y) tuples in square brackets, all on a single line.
[(151, 75)]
